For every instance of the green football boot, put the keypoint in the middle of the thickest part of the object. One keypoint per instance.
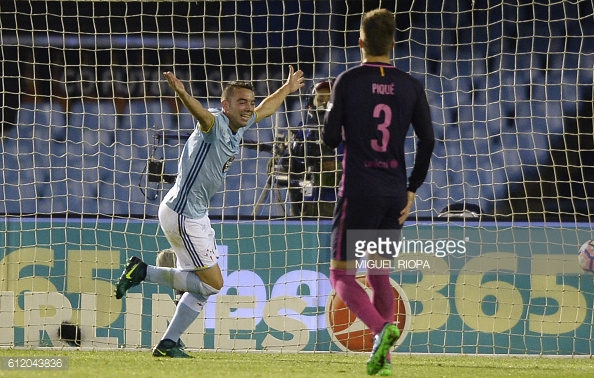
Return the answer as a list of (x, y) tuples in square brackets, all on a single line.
[(133, 274), (386, 370), (169, 348), (382, 344)]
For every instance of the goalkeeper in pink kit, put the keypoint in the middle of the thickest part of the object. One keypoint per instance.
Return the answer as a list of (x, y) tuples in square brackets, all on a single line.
[(371, 109)]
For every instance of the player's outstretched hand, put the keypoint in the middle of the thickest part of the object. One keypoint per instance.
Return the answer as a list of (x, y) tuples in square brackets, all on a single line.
[(174, 82), (295, 79)]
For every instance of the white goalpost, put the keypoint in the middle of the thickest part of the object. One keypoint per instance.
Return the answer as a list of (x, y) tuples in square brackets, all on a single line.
[(91, 135)]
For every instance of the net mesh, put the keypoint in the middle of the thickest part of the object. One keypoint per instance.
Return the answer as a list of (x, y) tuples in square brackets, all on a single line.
[(91, 134)]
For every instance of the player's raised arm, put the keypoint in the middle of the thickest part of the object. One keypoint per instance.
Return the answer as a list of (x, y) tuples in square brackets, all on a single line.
[(204, 117), (271, 103)]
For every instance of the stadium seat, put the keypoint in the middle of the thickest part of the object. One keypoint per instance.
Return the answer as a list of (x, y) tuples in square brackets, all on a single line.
[(185, 120), (30, 147), (145, 114), (92, 122), (38, 118)]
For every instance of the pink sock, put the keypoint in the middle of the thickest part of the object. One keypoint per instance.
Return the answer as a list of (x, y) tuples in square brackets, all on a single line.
[(383, 297), (356, 299)]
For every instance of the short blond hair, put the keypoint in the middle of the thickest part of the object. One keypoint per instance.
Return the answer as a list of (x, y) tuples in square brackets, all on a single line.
[(232, 86)]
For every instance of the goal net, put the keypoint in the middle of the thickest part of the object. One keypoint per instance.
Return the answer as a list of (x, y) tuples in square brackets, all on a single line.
[(91, 135)]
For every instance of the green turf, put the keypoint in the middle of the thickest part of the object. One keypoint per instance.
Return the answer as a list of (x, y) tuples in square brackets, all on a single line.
[(319, 365)]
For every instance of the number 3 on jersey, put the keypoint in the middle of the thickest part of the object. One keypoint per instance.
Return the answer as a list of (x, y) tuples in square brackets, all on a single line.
[(376, 145)]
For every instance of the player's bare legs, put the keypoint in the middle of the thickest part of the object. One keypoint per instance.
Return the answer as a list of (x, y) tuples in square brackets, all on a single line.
[(211, 276)]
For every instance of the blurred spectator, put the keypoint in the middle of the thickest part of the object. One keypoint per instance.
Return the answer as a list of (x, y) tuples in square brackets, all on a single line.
[(313, 168)]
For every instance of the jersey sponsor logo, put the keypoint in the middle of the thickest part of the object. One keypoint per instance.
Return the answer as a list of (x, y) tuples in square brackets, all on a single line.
[(387, 164), (227, 165)]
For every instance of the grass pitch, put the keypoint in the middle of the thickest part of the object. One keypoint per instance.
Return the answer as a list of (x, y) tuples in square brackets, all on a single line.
[(316, 365)]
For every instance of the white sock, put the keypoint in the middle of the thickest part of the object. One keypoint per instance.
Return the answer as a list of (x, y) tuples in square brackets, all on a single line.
[(188, 309), (179, 280)]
